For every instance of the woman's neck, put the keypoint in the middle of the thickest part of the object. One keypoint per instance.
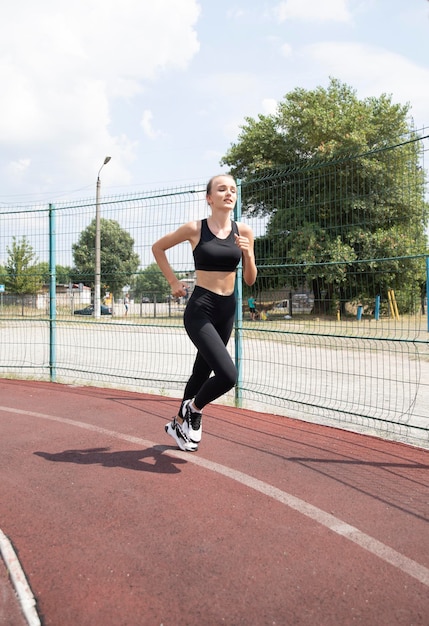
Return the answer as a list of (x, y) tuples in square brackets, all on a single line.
[(219, 221)]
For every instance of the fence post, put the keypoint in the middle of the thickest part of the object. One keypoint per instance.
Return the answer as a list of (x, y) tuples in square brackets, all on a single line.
[(238, 312), (427, 291), (377, 308), (52, 296)]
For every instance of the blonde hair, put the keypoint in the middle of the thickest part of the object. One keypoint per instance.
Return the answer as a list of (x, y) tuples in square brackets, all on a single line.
[(213, 178)]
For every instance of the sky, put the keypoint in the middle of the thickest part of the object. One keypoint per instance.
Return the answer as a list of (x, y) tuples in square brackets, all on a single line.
[(163, 87)]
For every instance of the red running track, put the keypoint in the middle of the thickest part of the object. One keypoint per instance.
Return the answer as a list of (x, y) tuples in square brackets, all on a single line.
[(272, 522)]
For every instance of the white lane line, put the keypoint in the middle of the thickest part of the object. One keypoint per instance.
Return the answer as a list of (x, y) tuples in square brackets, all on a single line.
[(22, 588), (379, 549)]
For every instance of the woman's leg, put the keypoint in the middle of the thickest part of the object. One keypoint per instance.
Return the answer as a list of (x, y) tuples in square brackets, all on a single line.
[(209, 320), (213, 352), (200, 373)]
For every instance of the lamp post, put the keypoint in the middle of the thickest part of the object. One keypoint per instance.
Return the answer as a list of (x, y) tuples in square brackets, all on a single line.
[(97, 282)]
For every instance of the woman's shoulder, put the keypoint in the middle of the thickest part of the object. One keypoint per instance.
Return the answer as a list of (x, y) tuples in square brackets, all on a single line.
[(193, 228), (189, 228), (186, 232), (191, 231)]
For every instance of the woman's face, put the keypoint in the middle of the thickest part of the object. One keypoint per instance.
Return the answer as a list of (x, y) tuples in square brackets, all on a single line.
[(223, 193)]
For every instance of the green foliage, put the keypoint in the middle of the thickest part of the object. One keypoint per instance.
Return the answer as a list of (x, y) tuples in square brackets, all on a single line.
[(324, 123), (3, 275), (118, 261), (21, 275), (150, 283), (62, 273), (339, 197)]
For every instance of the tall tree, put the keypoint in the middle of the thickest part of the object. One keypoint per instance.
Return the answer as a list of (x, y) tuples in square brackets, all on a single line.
[(21, 277), (3, 275), (62, 272), (151, 283), (323, 169), (118, 260)]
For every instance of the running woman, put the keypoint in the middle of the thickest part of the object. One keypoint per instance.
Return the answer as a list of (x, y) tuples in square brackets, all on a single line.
[(218, 245)]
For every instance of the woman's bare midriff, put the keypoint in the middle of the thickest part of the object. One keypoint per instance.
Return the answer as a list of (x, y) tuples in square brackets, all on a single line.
[(222, 283)]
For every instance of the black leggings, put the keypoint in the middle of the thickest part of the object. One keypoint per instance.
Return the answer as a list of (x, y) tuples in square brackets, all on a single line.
[(209, 319)]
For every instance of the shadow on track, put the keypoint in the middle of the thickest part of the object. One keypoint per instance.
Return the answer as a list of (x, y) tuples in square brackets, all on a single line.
[(156, 462)]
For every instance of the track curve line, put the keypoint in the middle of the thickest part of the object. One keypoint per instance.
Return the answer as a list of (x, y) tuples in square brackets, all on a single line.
[(336, 525), (19, 581)]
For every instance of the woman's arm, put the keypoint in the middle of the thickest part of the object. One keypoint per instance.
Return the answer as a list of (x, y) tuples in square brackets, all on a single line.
[(245, 241), (186, 232)]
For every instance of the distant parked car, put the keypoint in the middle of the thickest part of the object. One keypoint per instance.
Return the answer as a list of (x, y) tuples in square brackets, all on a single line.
[(89, 310), (282, 306)]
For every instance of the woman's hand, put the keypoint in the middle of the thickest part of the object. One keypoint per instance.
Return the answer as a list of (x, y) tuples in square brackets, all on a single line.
[(243, 243), (178, 289), (246, 245)]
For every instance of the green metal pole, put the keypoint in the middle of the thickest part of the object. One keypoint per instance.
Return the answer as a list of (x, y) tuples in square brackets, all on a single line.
[(52, 296), (427, 291), (239, 312)]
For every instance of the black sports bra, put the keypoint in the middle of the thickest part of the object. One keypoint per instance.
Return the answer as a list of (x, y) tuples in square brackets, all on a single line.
[(216, 255)]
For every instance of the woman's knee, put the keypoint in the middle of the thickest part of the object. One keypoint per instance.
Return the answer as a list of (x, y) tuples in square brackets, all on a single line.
[(229, 377)]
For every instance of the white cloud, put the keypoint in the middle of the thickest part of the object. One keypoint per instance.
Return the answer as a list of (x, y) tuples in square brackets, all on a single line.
[(319, 10), (146, 124), (235, 13), (212, 155), (373, 71), (241, 91), (286, 50), (234, 84), (269, 106), (77, 76), (64, 65), (18, 167)]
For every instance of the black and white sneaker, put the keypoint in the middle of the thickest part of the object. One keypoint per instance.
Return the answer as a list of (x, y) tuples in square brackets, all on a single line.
[(192, 425), (177, 431)]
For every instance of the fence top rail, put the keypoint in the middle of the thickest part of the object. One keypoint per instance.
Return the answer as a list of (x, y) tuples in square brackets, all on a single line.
[(312, 163)]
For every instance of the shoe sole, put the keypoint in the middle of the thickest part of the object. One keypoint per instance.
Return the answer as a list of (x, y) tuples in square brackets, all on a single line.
[(192, 446)]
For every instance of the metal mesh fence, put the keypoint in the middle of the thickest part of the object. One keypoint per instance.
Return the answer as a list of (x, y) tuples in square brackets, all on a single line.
[(342, 331)]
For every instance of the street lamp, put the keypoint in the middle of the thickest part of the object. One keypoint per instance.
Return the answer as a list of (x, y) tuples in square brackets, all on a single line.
[(97, 289)]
